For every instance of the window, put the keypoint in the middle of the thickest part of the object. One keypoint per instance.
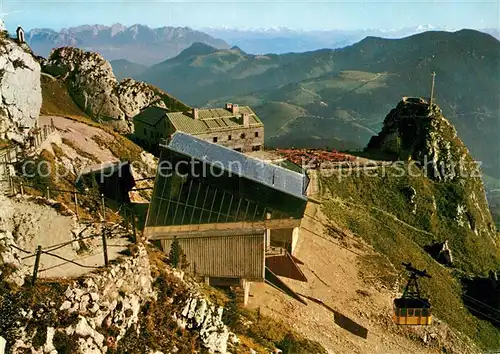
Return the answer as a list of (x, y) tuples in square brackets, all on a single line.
[(242, 135), (256, 148), (229, 137), (237, 149), (256, 134), (215, 139)]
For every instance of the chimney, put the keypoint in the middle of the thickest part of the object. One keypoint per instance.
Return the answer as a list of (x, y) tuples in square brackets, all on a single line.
[(235, 109), (245, 118), (229, 106), (195, 113)]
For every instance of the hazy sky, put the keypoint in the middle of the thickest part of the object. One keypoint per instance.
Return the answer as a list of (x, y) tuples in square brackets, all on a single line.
[(306, 15)]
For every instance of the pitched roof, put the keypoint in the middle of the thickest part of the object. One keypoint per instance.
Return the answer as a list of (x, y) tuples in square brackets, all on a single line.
[(212, 120), (151, 115), (273, 176)]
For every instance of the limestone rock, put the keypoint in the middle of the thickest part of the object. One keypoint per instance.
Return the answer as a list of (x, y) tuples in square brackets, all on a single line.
[(10, 257), (416, 131), (418, 134), (3, 343), (207, 319), (20, 91), (95, 88)]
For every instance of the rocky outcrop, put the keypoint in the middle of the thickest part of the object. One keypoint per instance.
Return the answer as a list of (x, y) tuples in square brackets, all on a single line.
[(95, 313), (12, 269), (419, 134), (200, 315), (415, 131), (94, 87), (20, 90), (102, 303)]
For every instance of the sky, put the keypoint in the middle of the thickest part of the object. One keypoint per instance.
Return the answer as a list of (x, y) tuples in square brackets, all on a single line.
[(293, 14)]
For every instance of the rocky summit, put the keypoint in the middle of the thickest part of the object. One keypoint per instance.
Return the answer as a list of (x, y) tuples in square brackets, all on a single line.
[(417, 132), (20, 91), (94, 87)]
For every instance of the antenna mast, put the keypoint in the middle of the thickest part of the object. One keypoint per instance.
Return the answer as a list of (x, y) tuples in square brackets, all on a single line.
[(432, 89)]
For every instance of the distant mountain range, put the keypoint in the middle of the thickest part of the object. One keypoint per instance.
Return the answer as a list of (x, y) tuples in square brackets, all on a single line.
[(338, 98), (147, 46), (139, 44), (284, 40)]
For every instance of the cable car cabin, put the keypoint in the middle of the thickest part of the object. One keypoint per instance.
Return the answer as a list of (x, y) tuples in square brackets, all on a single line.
[(412, 312), (412, 308)]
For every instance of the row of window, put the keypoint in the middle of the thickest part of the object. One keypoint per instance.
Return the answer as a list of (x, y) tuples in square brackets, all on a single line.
[(229, 137), (215, 139)]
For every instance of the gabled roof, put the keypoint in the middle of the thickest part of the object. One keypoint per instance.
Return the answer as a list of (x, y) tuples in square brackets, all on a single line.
[(151, 115), (270, 175), (212, 120)]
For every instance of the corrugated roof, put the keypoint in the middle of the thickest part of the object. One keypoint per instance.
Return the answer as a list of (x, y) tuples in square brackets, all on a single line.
[(271, 175), (212, 119), (151, 115)]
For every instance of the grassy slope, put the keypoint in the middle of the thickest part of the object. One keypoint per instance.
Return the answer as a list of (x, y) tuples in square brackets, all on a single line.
[(56, 99), (375, 208)]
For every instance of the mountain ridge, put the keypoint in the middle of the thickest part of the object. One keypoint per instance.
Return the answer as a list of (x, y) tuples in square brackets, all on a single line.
[(137, 43), (355, 84)]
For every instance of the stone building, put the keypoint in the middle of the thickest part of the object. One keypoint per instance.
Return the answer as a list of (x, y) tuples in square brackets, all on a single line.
[(236, 218), (236, 127)]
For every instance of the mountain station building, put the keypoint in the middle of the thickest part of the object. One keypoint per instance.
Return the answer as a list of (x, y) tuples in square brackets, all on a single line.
[(236, 218), (236, 127)]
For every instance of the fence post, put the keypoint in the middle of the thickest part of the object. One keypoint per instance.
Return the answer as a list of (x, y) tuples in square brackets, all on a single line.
[(14, 188), (133, 225), (105, 245), (125, 219), (103, 207), (37, 264), (48, 192), (76, 206)]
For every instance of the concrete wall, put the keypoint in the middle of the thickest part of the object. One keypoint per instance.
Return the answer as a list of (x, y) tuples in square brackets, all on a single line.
[(285, 238)]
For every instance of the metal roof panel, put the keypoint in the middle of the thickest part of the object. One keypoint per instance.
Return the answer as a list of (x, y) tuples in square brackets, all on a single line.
[(271, 175)]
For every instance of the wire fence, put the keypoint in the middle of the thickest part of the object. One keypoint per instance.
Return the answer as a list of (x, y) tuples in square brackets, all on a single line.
[(77, 205), (12, 153), (125, 211), (106, 233)]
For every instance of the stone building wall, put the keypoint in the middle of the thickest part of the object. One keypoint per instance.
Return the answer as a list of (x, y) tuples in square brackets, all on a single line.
[(233, 138)]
